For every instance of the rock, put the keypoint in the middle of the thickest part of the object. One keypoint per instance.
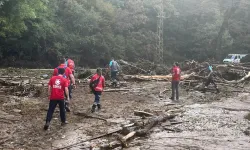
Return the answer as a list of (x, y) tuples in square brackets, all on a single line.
[(16, 110), (247, 131), (45, 76)]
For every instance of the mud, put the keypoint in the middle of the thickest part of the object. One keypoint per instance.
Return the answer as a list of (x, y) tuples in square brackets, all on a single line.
[(209, 121)]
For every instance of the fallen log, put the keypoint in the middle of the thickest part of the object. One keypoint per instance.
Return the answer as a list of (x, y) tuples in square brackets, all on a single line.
[(172, 130), (234, 67), (153, 122), (90, 139), (234, 109), (89, 116), (142, 113), (116, 90), (239, 81), (123, 141), (129, 64), (15, 77), (96, 137), (110, 145), (240, 91), (14, 83), (155, 77)]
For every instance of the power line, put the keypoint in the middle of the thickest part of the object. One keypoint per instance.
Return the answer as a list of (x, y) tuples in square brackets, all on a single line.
[(159, 47)]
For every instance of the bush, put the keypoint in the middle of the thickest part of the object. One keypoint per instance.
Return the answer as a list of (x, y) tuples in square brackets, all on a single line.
[(245, 59)]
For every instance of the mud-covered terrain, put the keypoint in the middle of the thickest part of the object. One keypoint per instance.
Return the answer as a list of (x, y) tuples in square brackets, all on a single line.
[(206, 121)]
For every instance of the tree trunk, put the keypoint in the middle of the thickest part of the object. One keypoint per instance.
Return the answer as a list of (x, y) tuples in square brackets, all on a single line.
[(218, 40)]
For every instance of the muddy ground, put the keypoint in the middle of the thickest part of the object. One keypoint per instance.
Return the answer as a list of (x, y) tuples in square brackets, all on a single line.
[(209, 121)]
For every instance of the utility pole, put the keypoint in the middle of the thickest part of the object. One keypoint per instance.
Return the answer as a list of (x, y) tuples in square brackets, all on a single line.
[(159, 46)]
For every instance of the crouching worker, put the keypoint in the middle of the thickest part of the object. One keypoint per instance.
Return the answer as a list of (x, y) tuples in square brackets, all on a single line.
[(97, 84), (57, 85), (210, 78)]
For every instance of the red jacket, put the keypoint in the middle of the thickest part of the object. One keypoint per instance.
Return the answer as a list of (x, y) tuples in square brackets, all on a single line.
[(58, 84), (100, 86), (176, 73)]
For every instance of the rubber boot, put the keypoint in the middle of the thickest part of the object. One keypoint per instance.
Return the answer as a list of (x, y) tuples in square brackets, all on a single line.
[(93, 108), (46, 126), (99, 106), (64, 123)]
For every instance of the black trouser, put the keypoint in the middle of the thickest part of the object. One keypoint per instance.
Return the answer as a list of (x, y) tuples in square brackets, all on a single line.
[(70, 91), (113, 75), (52, 106), (210, 80), (175, 90)]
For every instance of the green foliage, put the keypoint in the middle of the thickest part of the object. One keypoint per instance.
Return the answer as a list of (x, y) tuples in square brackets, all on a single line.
[(34, 33)]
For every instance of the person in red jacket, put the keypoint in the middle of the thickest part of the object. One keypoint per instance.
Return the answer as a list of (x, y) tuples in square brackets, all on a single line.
[(97, 84), (176, 76), (70, 63), (56, 87), (70, 78)]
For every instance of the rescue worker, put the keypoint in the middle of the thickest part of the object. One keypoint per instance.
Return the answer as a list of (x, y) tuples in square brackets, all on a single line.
[(70, 63), (97, 84), (57, 87), (70, 78), (114, 68), (176, 76), (210, 78)]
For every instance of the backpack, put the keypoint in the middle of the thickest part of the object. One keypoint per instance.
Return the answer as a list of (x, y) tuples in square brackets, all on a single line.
[(64, 75), (115, 66), (94, 83)]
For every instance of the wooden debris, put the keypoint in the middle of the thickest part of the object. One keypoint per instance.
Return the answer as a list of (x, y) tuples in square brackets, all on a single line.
[(172, 130), (89, 116), (153, 122), (116, 90), (140, 132), (155, 77), (142, 113), (129, 64), (90, 139)]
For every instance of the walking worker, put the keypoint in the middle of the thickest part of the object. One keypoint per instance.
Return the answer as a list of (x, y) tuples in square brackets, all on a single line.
[(70, 78), (176, 76), (210, 78), (57, 86), (70, 63), (97, 84), (114, 67)]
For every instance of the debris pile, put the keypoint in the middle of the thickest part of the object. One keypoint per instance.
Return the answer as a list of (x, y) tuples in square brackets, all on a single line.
[(14, 83), (195, 74)]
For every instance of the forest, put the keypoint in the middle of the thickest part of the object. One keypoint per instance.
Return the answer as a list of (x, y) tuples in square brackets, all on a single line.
[(35, 33)]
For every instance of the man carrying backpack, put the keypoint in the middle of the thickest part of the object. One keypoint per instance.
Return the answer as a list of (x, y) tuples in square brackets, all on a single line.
[(70, 78), (114, 67), (97, 84)]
